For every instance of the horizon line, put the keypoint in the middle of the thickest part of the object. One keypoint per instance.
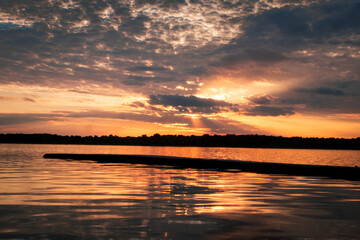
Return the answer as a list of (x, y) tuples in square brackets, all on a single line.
[(192, 135)]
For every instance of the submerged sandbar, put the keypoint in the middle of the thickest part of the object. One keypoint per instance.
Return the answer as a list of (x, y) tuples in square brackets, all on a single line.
[(340, 172)]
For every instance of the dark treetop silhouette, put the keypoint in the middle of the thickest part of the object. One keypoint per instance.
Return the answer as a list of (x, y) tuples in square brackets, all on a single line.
[(230, 140)]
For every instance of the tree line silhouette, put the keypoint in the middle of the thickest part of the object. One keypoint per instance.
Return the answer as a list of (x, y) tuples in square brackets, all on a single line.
[(229, 140)]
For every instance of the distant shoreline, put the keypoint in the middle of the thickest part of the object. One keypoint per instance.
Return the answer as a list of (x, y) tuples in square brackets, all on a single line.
[(229, 140)]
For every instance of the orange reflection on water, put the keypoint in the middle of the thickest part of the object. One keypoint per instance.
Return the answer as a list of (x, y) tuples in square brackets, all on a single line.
[(160, 191), (144, 201)]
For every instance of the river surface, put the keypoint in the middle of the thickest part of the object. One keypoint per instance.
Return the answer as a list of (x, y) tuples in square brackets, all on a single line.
[(62, 199)]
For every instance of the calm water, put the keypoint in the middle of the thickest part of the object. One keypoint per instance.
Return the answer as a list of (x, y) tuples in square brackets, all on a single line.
[(60, 199)]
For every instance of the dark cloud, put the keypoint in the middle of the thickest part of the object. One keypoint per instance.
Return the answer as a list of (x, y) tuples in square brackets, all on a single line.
[(337, 97), (323, 91), (314, 37), (140, 80), (60, 27), (337, 19), (269, 111), (350, 87), (135, 25), (147, 68), (261, 100), (186, 101), (78, 41), (300, 26), (175, 4), (192, 103), (21, 118), (261, 56), (57, 42), (149, 47), (287, 21), (196, 71)]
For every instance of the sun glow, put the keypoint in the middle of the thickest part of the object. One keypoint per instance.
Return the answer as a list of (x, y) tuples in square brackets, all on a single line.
[(216, 96), (237, 90), (222, 89)]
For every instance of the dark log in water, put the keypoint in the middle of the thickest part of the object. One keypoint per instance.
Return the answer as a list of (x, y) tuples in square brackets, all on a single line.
[(349, 173)]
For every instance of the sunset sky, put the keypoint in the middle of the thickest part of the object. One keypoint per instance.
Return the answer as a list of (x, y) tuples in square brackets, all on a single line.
[(133, 67)]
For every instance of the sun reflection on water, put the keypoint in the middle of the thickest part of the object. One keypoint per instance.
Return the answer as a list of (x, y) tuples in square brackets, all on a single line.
[(67, 199)]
